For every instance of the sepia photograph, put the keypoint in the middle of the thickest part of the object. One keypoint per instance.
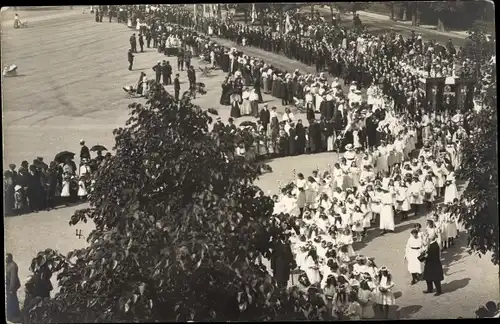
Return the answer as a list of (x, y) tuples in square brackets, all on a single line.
[(305, 161)]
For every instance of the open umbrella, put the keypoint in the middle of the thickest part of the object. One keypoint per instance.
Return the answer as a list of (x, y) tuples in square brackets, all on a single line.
[(61, 156), (97, 148)]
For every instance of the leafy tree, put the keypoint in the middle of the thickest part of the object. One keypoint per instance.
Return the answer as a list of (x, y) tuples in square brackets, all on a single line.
[(353, 7), (179, 227), (479, 157), (446, 10)]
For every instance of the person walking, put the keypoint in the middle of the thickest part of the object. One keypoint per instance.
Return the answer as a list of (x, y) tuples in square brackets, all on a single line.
[(12, 285), (433, 269), (180, 60), (177, 86), (130, 59)]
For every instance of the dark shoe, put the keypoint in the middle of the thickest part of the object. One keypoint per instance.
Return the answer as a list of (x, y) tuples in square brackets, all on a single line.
[(428, 292), (437, 294), (414, 281), (383, 232)]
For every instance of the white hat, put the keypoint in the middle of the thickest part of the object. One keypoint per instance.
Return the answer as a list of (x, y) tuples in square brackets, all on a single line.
[(82, 141), (357, 92), (17, 188), (349, 147)]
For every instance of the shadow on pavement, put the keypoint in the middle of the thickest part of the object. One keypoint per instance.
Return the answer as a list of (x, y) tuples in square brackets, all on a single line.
[(408, 311), (451, 286), (398, 294)]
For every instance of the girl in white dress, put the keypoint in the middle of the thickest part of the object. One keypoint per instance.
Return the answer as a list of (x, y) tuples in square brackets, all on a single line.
[(412, 252), (311, 191), (416, 190), (382, 154), (429, 191), (82, 191), (367, 214), (347, 180), (337, 176), (354, 172), (451, 191), (384, 296), (403, 200), (245, 107), (440, 172), (301, 194), (357, 220), (366, 298), (375, 203), (386, 211)]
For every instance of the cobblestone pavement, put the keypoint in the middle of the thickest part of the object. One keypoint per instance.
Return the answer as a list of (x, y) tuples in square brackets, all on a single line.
[(71, 73)]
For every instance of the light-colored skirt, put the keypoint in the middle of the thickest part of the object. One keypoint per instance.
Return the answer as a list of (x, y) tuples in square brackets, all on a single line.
[(65, 192), (384, 298), (450, 193)]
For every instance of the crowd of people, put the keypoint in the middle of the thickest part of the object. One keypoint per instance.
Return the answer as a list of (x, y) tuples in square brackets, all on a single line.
[(37, 186), (399, 158)]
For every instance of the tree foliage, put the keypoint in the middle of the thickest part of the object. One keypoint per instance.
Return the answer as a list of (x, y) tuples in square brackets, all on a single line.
[(350, 6), (179, 225), (479, 159)]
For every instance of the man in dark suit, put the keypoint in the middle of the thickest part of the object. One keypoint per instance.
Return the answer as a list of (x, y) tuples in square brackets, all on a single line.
[(84, 151), (141, 43), (133, 43), (130, 59), (158, 69), (265, 117), (167, 73), (177, 86), (192, 80), (257, 87)]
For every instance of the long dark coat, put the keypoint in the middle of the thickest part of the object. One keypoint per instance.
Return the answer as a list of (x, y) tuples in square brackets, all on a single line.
[(281, 260), (292, 150), (301, 138), (433, 269)]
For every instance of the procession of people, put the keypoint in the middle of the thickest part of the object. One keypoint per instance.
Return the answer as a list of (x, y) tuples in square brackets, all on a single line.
[(39, 186), (394, 154)]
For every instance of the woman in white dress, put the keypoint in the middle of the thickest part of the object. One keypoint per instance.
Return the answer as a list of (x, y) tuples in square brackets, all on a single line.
[(386, 211), (375, 200), (412, 252), (347, 180), (367, 214), (450, 191), (357, 226), (384, 296), (145, 87), (254, 103)]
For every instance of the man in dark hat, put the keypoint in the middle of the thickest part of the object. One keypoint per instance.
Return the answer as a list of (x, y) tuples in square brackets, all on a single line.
[(133, 43), (130, 59), (180, 60)]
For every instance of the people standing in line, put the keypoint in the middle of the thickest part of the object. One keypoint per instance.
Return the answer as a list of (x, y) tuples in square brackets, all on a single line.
[(12, 285), (141, 43), (133, 43), (433, 269), (130, 59), (177, 86), (167, 73), (412, 253)]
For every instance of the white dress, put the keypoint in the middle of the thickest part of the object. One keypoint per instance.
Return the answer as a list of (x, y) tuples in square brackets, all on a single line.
[(412, 252), (403, 198), (451, 191), (429, 191), (386, 212), (385, 298), (301, 194), (416, 193), (82, 191)]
